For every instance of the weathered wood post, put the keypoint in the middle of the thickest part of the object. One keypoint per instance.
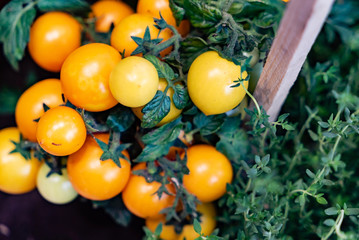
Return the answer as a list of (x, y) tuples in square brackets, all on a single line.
[(297, 32)]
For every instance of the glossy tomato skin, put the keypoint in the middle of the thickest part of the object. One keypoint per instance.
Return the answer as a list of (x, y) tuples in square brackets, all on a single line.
[(209, 81), (61, 131), (209, 172), (55, 188), (154, 7), (53, 36), (85, 75), (29, 107), (135, 25), (134, 81), (93, 178), (17, 175), (139, 197), (173, 113), (208, 222), (109, 12)]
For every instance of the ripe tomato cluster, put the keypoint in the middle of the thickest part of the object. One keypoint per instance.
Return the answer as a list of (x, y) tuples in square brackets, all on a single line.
[(69, 157)]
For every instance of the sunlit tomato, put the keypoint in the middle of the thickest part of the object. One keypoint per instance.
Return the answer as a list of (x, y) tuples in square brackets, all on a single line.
[(93, 178), (53, 36), (208, 222), (140, 198), (29, 107), (174, 112), (85, 74), (109, 12), (209, 172), (17, 175), (61, 131), (154, 7), (168, 231), (134, 81), (209, 81), (55, 188), (135, 25)]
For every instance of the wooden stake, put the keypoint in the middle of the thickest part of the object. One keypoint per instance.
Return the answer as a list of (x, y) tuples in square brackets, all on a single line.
[(297, 32)]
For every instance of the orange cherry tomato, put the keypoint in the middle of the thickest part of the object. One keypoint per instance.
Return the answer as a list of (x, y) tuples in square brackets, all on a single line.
[(85, 76), (109, 12), (140, 198), (61, 131), (135, 25), (53, 36), (208, 222), (173, 113), (209, 172), (154, 7), (93, 178), (29, 107), (17, 175)]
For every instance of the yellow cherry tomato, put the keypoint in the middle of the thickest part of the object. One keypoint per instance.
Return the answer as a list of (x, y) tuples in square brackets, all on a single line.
[(209, 172), (93, 178), (17, 175), (210, 80), (55, 188), (135, 25), (61, 131), (109, 12), (29, 107), (173, 113), (85, 75), (134, 81), (154, 7), (53, 36)]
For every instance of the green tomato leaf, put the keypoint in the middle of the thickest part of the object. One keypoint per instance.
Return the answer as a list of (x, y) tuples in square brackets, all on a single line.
[(158, 229), (321, 200), (163, 69), (153, 152), (197, 226), (156, 110), (15, 21), (177, 10), (120, 120), (200, 14), (73, 6), (331, 211), (164, 134), (180, 97), (208, 124)]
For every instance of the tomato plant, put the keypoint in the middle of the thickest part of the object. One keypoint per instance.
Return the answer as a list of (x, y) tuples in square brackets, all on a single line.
[(30, 105), (17, 174), (61, 131), (94, 178), (85, 76), (53, 36), (55, 188), (210, 83), (140, 196), (109, 12)]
